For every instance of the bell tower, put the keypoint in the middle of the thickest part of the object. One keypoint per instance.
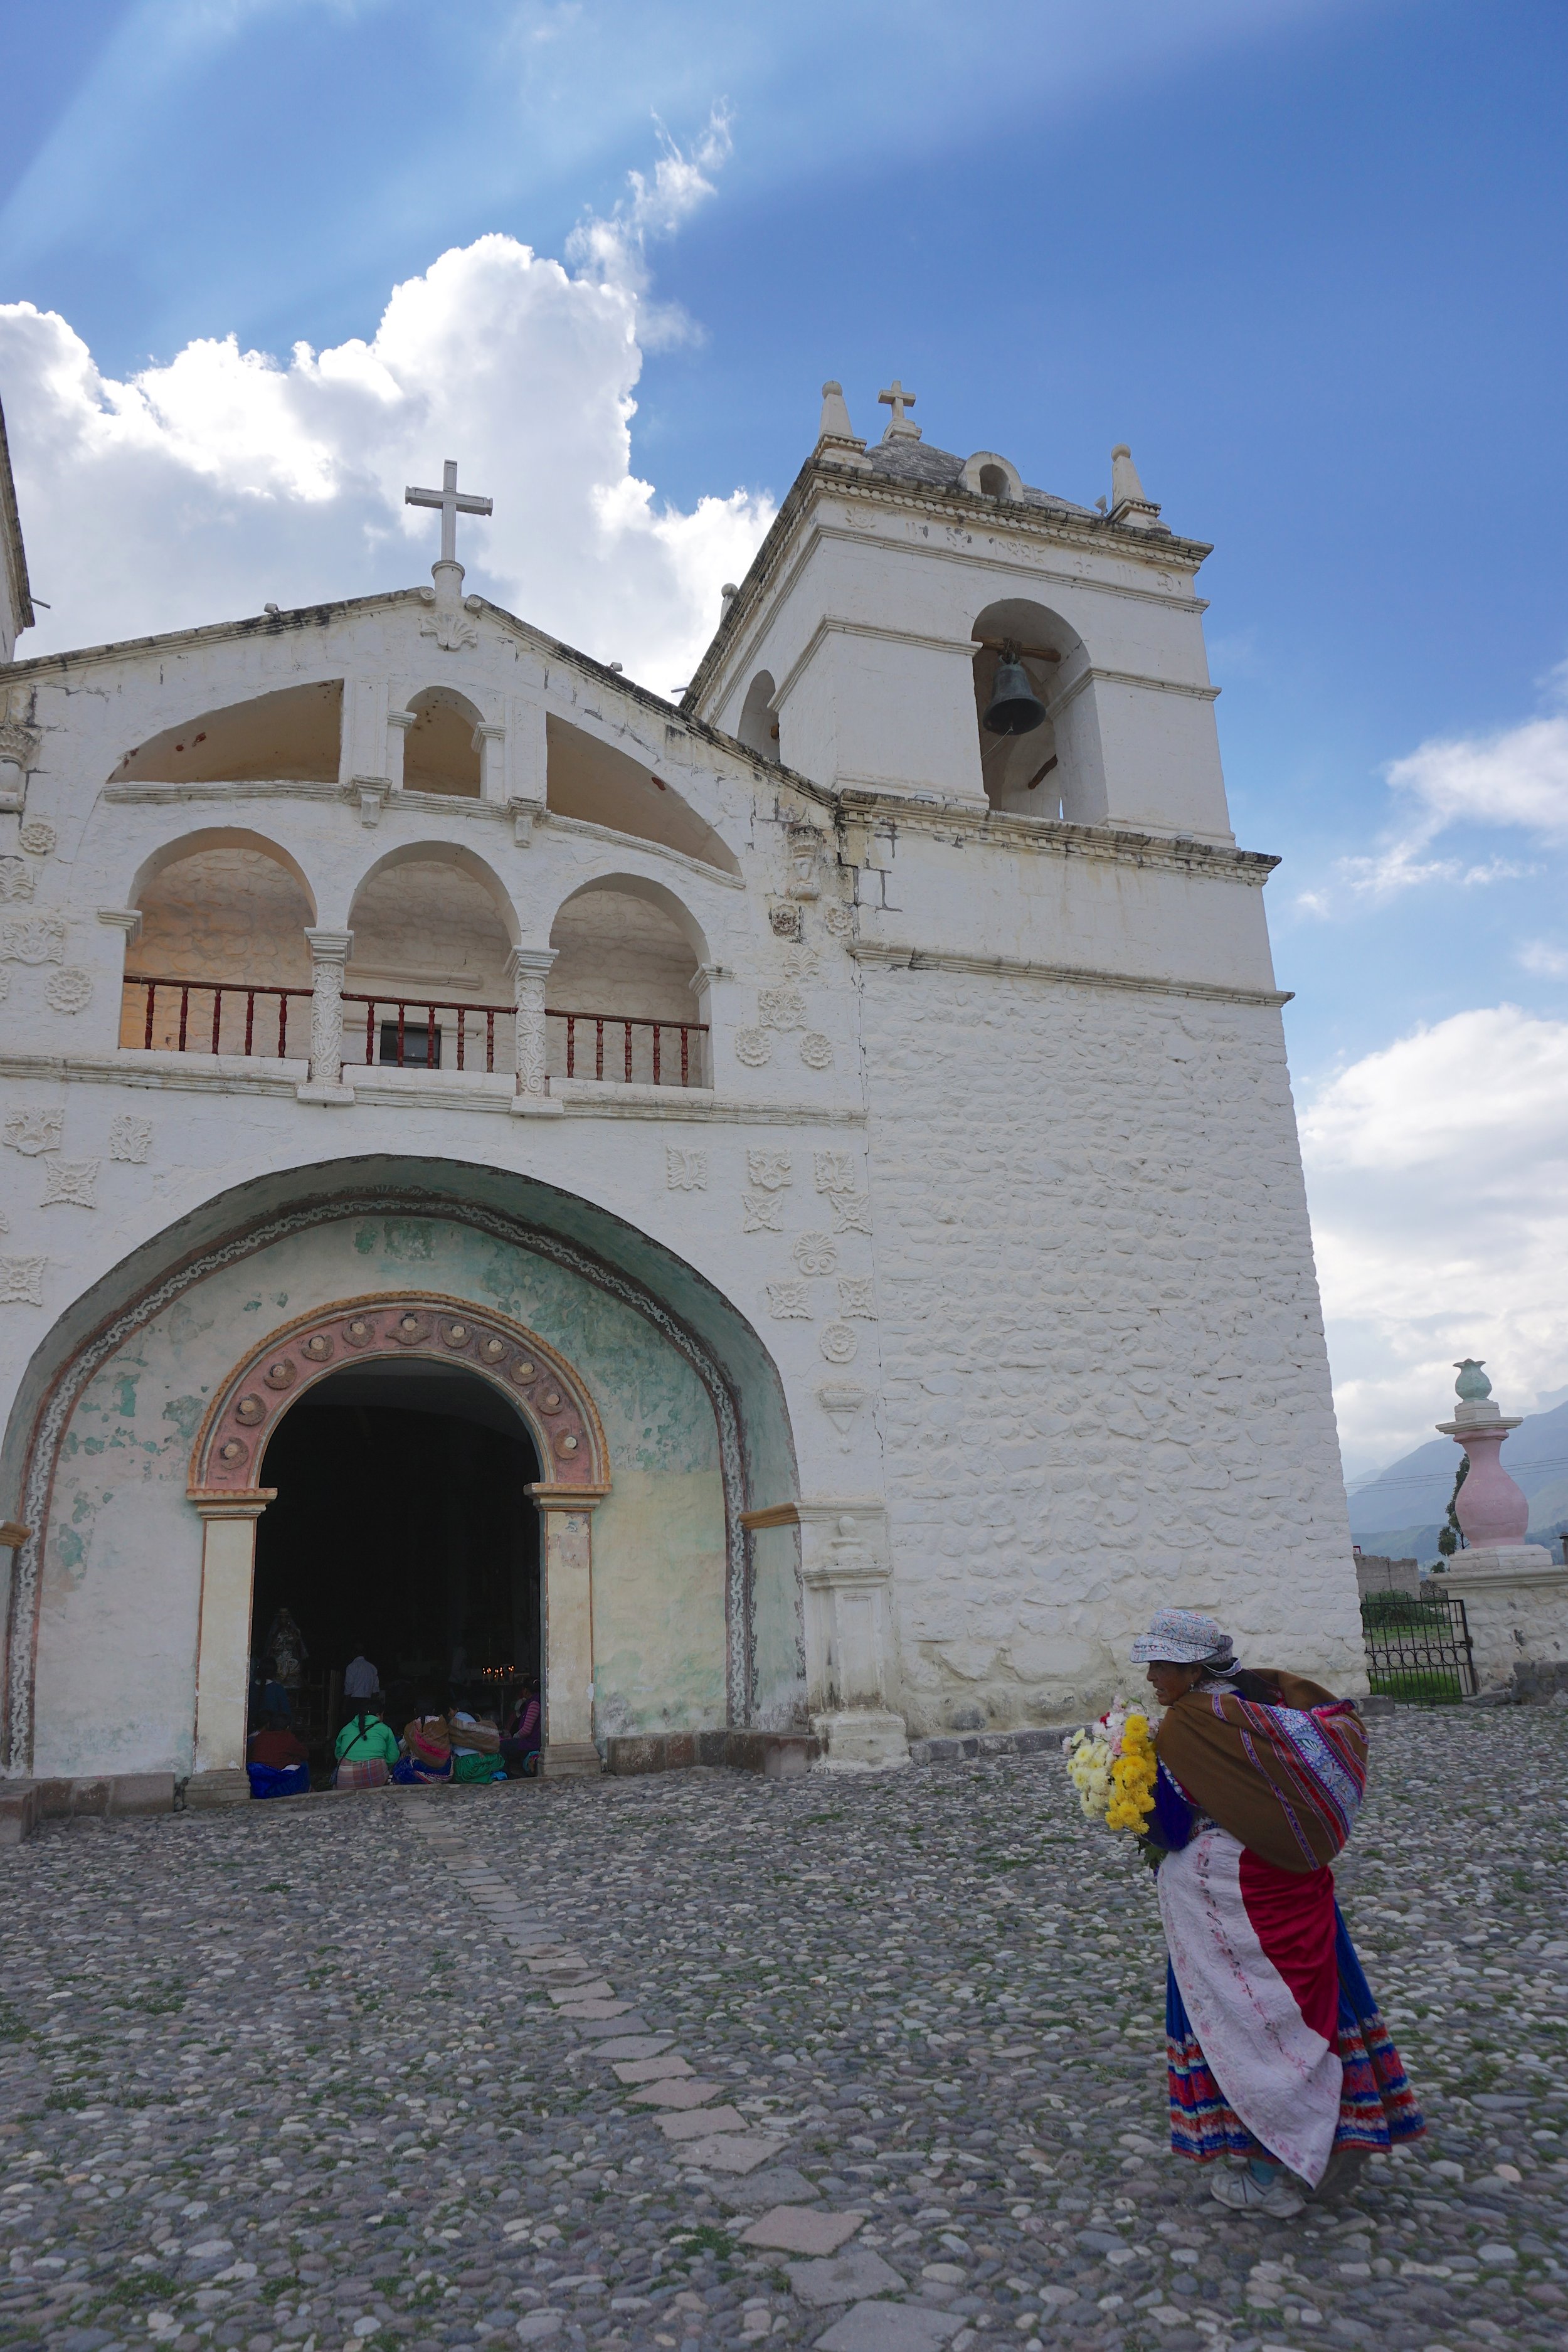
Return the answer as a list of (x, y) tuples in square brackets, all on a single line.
[(928, 627)]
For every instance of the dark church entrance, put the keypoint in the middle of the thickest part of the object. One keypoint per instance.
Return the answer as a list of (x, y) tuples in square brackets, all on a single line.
[(402, 1524)]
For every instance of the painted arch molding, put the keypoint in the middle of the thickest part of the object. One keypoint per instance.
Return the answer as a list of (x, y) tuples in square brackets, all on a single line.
[(547, 1392)]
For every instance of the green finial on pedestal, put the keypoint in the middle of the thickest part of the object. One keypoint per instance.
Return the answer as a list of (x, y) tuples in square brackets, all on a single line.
[(1472, 1384)]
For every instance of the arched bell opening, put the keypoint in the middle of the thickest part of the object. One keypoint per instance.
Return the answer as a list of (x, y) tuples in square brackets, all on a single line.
[(402, 1525), (759, 726), (1022, 654), (441, 753)]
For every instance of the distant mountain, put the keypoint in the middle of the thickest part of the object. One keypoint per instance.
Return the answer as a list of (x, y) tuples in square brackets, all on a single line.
[(1403, 1509)]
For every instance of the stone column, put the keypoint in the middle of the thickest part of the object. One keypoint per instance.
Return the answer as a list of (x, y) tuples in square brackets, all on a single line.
[(489, 743), (329, 953), (847, 1591), (398, 723), (527, 968), (566, 1613), (223, 1643)]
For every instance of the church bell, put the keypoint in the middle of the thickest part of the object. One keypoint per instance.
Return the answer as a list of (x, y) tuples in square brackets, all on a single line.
[(1013, 709)]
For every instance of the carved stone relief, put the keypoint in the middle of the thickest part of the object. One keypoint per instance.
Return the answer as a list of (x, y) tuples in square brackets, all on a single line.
[(130, 1138), (763, 1213), (839, 1343), (22, 1281), (790, 1301), (71, 1181), (815, 1254), (781, 1008), (32, 1131), (17, 879), (816, 1050), (851, 1211), (685, 1170), (841, 1401), (837, 921), (769, 1171), (786, 921), (833, 1171), (70, 991), (753, 1048), (33, 939), (38, 836), (856, 1296)]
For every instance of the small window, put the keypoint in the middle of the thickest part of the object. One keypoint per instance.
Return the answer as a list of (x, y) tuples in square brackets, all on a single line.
[(994, 481), (420, 1047)]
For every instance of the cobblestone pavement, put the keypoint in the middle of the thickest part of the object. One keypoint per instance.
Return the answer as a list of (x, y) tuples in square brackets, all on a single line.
[(468, 2068)]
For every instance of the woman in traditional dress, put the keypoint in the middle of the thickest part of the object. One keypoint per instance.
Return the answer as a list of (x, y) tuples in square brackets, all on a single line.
[(476, 1747), (366, 1751), (1275, 2049), (426, 1750), (520, 1739)]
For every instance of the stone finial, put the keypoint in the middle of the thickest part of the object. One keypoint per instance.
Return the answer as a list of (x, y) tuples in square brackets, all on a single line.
[(1472, 1384), (838, 443), (1128, 503), (835, 424)]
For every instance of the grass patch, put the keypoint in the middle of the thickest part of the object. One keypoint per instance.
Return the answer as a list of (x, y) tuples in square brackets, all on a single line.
[(13, 2028), (706, 2239), (1421, 1686), (66, 2101), (143, 2286)]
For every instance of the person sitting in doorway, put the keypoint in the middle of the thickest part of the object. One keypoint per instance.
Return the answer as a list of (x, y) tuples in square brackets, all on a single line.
[(366, 1751), (426, 1750), (519, 1741), (476, 1747), (361, 1679), (276, 1762)]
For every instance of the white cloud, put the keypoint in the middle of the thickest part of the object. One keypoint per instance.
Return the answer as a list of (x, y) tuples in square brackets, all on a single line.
[(226, 479), (1437, 1174), (1516, 776), (1538, 956)]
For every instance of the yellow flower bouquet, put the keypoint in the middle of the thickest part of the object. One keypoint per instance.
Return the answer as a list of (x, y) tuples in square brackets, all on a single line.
[(1113, 1766)]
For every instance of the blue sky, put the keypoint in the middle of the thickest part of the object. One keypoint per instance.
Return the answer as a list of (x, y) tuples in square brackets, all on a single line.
[(1307, 257)]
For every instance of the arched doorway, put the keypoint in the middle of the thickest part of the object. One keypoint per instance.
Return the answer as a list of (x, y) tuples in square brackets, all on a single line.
[(402, 1525)]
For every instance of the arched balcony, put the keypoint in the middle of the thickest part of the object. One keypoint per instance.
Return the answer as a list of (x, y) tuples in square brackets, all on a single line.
[(624, 993), (221, 964)]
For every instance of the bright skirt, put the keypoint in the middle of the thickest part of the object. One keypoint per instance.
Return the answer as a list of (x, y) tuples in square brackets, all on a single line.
[(368, 1772), (279, 1779), (1273, 2039)]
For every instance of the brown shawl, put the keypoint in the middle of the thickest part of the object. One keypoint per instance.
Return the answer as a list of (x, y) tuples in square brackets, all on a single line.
[(428, 1740), (1281, 1765)]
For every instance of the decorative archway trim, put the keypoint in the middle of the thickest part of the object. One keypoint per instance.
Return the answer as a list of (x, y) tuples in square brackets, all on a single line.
[(60, 1399), (549, 1394)]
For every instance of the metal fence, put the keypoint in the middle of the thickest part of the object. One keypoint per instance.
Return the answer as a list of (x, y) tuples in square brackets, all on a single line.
[(1418, 1646)]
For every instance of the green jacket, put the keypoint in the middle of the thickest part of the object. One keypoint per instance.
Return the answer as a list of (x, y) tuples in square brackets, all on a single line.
[(377, 1741)]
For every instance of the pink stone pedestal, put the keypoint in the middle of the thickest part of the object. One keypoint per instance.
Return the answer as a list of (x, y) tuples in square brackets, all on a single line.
[(1515, 1593)]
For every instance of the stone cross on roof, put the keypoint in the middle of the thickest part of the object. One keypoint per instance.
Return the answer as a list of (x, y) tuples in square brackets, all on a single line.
[(898, 400), (452, 503)]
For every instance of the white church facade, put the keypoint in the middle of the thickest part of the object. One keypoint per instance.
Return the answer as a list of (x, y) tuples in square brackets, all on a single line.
[(825, 1162)]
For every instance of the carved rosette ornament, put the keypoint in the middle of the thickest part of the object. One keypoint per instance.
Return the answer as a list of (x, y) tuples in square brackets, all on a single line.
[(554, 1401)]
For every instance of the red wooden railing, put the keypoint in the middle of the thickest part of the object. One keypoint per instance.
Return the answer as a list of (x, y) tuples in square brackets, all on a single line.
[(202, 1036), (686, 1030), (408, 1026), (429, 1018)]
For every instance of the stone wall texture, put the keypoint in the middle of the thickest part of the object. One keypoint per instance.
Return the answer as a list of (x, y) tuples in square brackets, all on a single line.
[(1105, 1389)]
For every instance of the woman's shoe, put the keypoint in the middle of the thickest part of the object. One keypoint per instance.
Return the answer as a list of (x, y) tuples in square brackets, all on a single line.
[(1243, 2194)]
